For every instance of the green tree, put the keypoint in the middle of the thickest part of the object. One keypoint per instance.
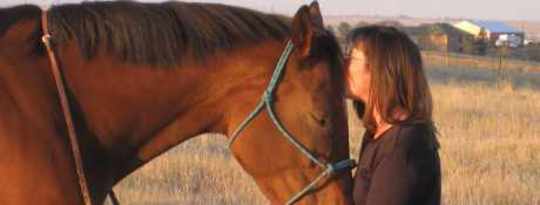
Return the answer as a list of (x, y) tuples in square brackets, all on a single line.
[(481, 43)]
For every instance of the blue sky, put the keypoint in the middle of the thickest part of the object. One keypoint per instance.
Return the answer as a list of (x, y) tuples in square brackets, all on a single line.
[(476, 9)]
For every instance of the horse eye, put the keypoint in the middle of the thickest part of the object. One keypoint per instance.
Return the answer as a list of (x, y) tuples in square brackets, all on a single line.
[(320, 119)]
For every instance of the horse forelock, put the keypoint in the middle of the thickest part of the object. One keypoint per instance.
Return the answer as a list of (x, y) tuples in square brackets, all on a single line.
[(156, 34)]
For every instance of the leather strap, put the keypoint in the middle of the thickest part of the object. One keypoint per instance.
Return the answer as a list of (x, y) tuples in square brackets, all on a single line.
[(58, 78)]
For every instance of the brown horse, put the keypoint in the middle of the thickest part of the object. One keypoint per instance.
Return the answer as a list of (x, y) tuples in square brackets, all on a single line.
[(143, 78)]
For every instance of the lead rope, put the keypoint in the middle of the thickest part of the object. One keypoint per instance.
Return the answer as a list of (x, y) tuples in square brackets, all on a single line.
[(65, 110), (266, 102)]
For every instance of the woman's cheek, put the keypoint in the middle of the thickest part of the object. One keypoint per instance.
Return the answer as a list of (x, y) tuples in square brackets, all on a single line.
[(355, 85), (349, 81), (364, 87), (351, 87)]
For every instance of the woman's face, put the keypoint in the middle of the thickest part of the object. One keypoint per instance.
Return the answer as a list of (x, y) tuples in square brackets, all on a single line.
[(358, 75)]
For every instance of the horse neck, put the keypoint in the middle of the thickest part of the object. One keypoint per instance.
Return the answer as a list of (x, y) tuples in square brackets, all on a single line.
[(136, 113)]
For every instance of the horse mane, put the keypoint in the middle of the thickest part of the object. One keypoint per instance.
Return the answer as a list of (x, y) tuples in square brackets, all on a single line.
[(161, 34), (157, 34)]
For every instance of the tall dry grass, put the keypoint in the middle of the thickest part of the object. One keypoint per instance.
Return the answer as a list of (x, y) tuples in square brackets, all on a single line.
[(489, 131)]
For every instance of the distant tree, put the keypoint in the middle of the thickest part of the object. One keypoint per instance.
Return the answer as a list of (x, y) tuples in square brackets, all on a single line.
[(482, 35), (429, 36), (343, 29), (435, 29), (396, 24), (361, 24), (331, 29)]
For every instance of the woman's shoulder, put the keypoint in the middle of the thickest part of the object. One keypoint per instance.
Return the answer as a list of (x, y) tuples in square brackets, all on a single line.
[(416, 136)]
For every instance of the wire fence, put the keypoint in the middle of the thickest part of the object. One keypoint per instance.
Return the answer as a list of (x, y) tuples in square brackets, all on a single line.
[(500, 63)]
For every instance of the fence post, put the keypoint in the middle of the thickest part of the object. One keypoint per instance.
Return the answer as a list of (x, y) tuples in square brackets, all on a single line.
[(446, 59)]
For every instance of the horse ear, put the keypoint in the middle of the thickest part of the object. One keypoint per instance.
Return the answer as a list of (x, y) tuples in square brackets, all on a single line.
[(302, 31), (307, 23), (315, 14)]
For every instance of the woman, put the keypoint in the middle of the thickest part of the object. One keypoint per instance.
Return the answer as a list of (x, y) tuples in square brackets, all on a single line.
[(399, 162)]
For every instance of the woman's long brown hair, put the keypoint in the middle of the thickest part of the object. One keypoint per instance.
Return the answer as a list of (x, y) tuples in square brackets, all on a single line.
[(397, 77)]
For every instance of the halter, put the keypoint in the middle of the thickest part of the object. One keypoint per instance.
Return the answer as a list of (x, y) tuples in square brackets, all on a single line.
[(267, 102)]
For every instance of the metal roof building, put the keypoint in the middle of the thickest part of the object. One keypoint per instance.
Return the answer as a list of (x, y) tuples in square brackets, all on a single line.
[(497, 27), (475, 27), (497, 32)]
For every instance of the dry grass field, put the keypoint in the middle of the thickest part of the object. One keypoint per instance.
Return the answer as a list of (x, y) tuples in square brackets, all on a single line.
[(489, 127)]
